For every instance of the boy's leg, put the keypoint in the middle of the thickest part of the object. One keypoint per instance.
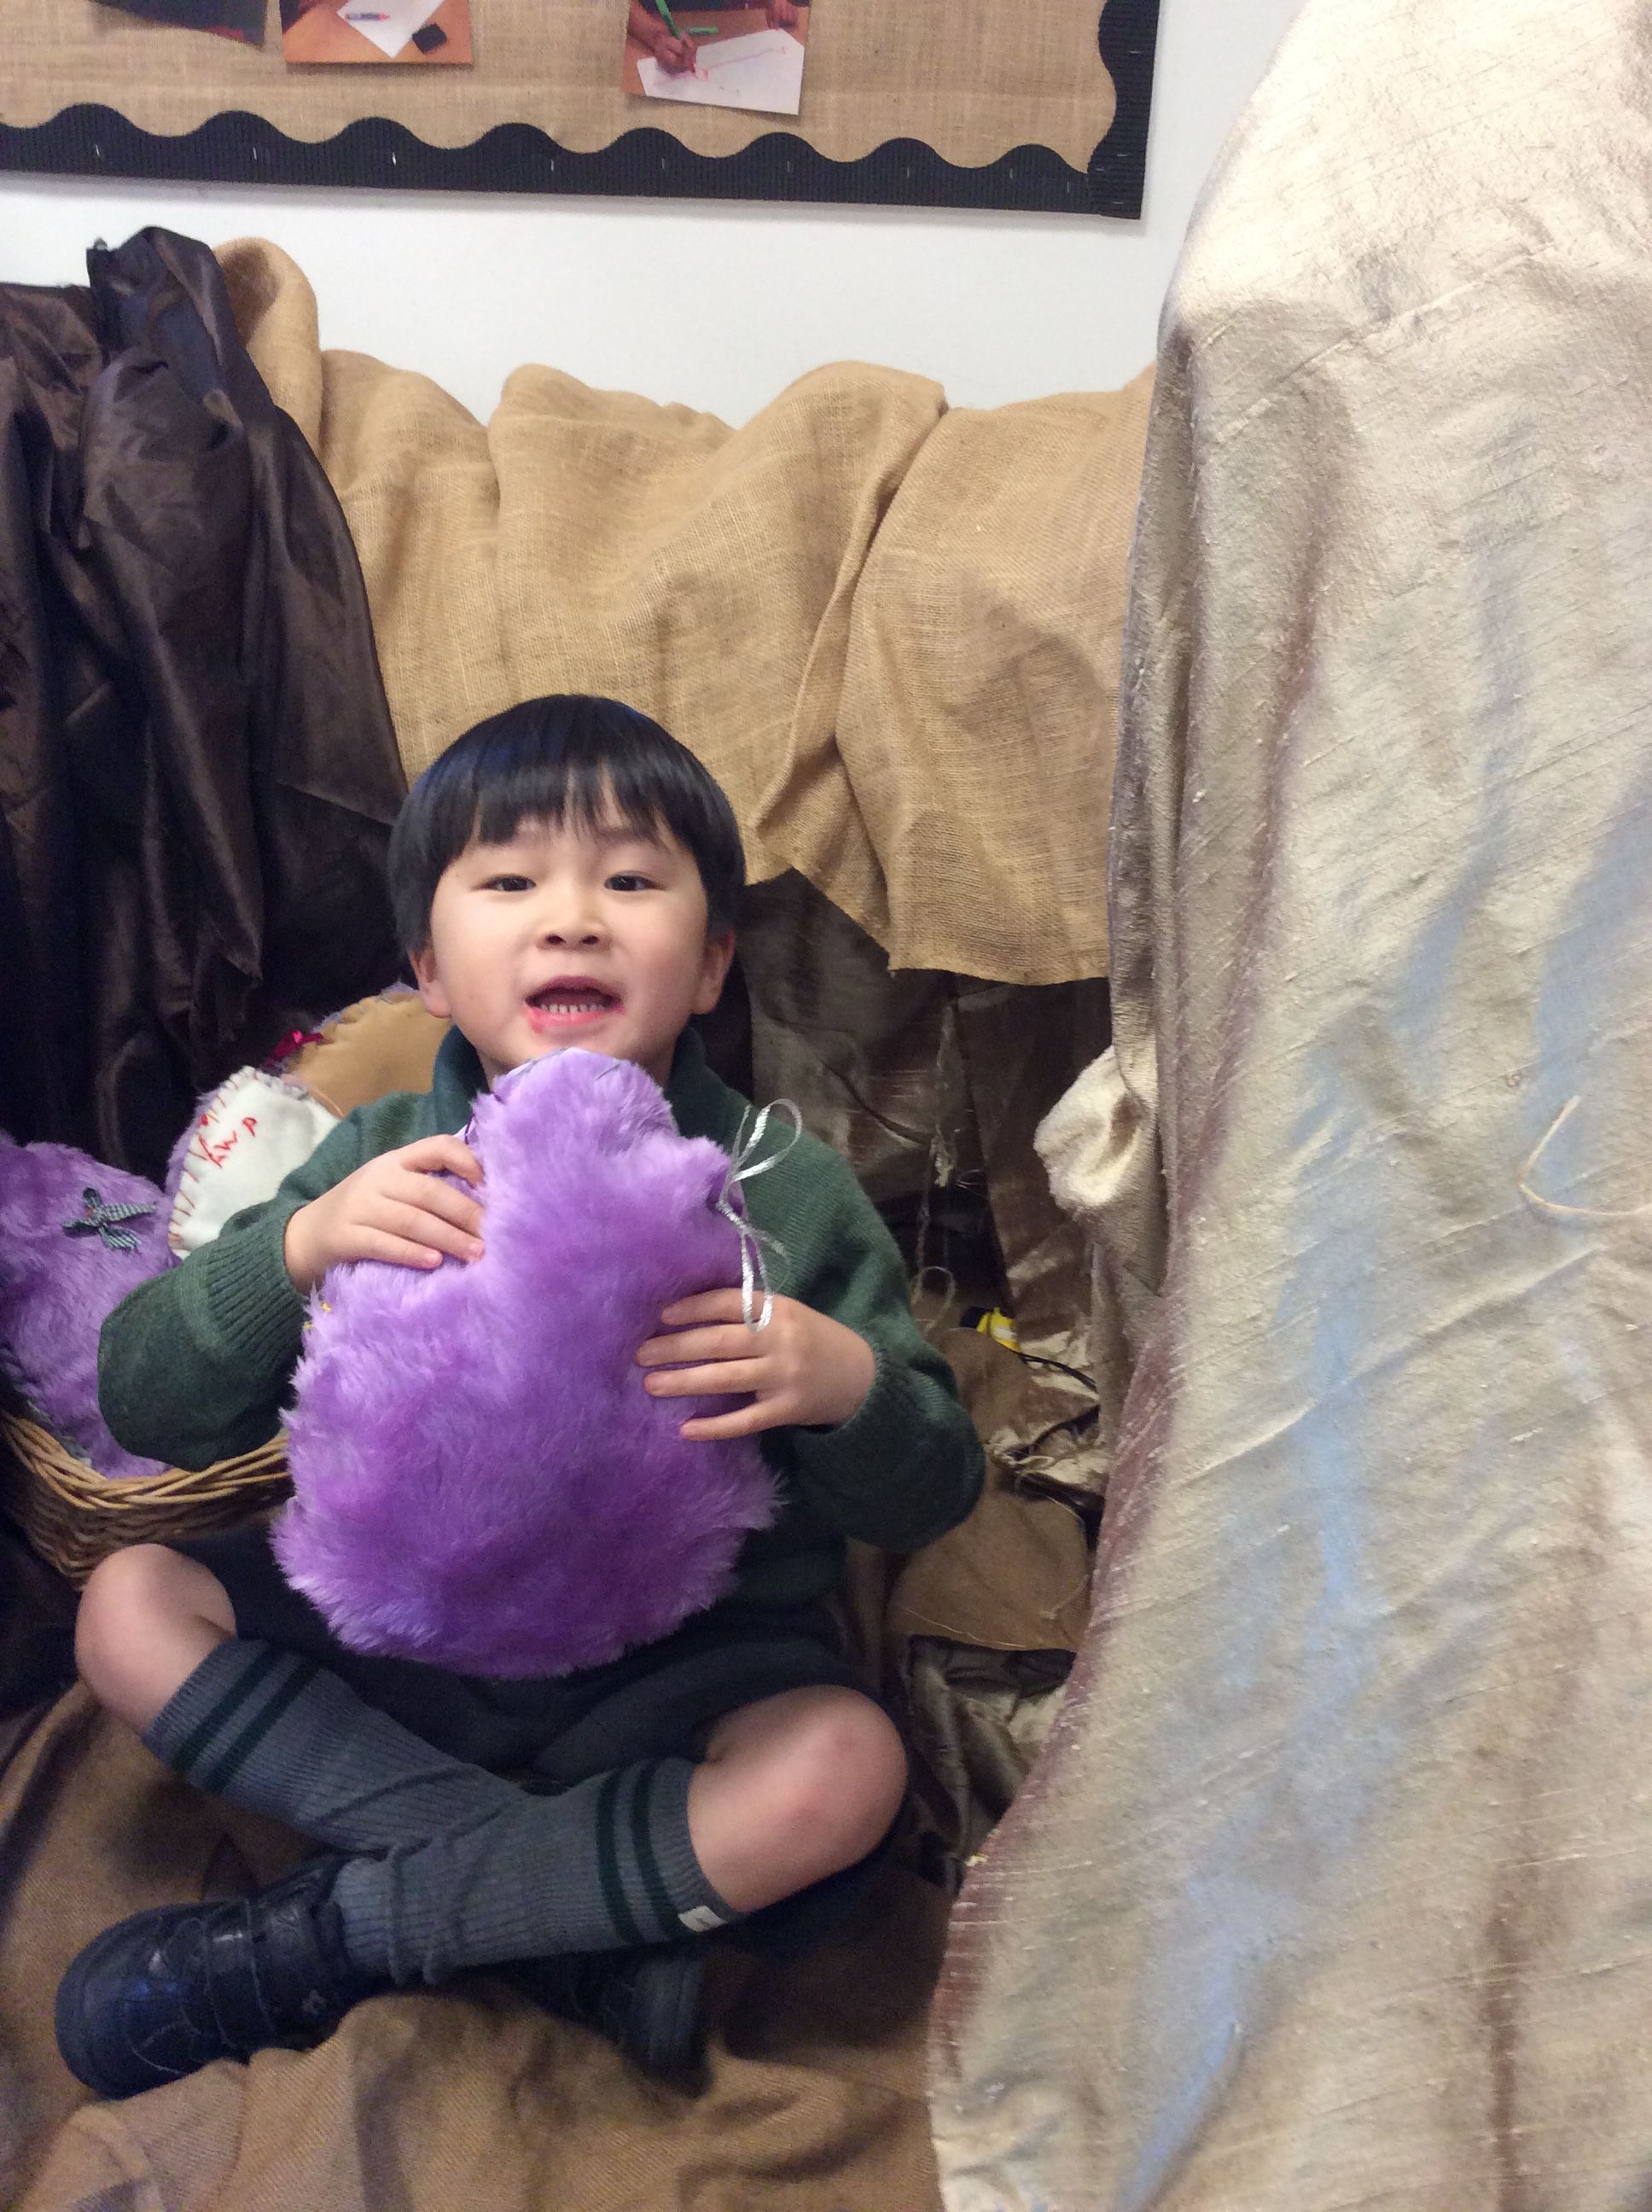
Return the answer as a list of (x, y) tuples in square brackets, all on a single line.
[(792, 1791), (156, 1644), (469, 1869), (181, 1613), (613, 1862)]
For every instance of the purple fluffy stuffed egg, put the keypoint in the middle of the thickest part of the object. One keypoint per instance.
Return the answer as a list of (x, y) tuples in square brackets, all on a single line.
[(480, 1479)]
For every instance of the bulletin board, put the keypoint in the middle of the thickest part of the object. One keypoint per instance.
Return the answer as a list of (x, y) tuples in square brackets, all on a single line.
[(1024, 104)]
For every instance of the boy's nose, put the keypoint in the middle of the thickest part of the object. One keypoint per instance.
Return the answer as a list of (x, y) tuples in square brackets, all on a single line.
[(571, 924)]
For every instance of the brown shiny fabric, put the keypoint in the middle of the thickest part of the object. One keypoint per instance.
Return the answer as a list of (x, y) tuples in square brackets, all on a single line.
[(1020, 1049), (976, 1633), (197, 765), (931, 1086), (861, 1049)]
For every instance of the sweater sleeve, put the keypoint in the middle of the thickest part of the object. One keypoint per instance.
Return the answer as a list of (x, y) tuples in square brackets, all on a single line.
[(907, 1466), (193, 1365)]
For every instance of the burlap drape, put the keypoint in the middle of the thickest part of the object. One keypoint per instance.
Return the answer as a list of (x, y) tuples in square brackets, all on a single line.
[(1332, 1886), (893, 632)]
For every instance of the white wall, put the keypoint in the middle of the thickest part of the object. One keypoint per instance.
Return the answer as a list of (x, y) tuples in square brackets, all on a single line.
[(717, 305)]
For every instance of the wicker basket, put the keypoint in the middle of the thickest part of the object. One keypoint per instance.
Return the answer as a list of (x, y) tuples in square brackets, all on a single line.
[(74, 1517)]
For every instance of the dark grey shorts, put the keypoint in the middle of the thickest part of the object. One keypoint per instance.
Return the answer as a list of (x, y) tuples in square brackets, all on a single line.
[(650, 1703)]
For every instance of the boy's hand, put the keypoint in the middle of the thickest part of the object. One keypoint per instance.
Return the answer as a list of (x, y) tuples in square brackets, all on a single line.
[(392, 1208), (804, 1371), (781, 14)]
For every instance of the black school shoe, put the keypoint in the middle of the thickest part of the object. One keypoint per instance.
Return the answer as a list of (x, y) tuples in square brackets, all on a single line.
[(649, 2001), (162, 1993)]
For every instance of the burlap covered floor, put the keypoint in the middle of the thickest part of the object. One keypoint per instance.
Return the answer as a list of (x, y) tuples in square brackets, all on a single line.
[(469, 2097), (1333, 1886), (891, 630)]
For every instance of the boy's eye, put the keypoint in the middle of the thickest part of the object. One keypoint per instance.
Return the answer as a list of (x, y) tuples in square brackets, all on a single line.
[(629, 881), (507, 884)]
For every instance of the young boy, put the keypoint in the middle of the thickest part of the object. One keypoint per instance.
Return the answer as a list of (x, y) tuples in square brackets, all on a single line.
[(566, 874)]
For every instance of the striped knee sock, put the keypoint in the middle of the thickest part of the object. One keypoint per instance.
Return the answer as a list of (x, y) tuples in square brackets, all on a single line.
[(607, 1864), (465, 1869)]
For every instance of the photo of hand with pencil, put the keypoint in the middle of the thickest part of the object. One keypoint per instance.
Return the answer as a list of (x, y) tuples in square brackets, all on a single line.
[(726, 55)]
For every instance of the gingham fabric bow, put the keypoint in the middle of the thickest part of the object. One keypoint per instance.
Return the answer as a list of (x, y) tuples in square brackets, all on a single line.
[(101, 1220)]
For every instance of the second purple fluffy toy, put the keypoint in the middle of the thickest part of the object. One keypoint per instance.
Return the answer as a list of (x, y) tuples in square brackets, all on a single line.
[(480, 1479)]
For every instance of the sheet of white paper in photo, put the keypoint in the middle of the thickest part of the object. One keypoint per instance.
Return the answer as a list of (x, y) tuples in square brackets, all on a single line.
[(763, 69), (401, 18)]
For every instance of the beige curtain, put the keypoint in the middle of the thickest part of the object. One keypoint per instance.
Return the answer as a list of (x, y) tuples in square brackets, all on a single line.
[(1333, 1886)]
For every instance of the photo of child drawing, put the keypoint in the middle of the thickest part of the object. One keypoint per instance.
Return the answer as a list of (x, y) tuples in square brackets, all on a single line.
[(728, 56)]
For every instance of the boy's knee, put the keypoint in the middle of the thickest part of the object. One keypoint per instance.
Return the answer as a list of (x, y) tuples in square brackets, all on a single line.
[(138, 1604), (844, 1778), (115, 1606)]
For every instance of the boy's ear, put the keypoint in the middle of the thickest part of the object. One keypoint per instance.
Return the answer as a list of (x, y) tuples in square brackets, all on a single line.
[(436, 999), (714, 972)]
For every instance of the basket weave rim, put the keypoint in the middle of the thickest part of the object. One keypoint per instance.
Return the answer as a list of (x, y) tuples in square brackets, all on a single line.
[(51, 1462)]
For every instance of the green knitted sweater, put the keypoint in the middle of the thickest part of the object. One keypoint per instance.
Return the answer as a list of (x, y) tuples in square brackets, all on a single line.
[(195, 1365)]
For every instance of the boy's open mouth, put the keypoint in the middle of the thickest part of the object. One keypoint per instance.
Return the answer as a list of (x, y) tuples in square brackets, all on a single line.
[(566, 1004)]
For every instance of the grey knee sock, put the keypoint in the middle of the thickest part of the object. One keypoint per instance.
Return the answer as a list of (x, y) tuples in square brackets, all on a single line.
[(607, 1864), (269, 1730), (469, 1869)]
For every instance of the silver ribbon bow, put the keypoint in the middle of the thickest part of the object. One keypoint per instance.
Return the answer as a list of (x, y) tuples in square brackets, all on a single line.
[(745, 1167)]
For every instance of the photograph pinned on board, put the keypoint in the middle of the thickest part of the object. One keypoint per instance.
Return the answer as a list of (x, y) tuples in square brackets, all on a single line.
[(349, 31), (722, 55), (227, 19)]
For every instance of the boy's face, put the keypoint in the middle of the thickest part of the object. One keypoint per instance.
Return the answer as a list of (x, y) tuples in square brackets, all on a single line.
[(564, 936)]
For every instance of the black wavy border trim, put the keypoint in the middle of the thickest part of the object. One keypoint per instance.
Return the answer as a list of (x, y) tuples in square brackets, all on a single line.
[(516, 157)]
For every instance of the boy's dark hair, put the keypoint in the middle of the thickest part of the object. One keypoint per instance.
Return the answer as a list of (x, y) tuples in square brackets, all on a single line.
[(562, 758)]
